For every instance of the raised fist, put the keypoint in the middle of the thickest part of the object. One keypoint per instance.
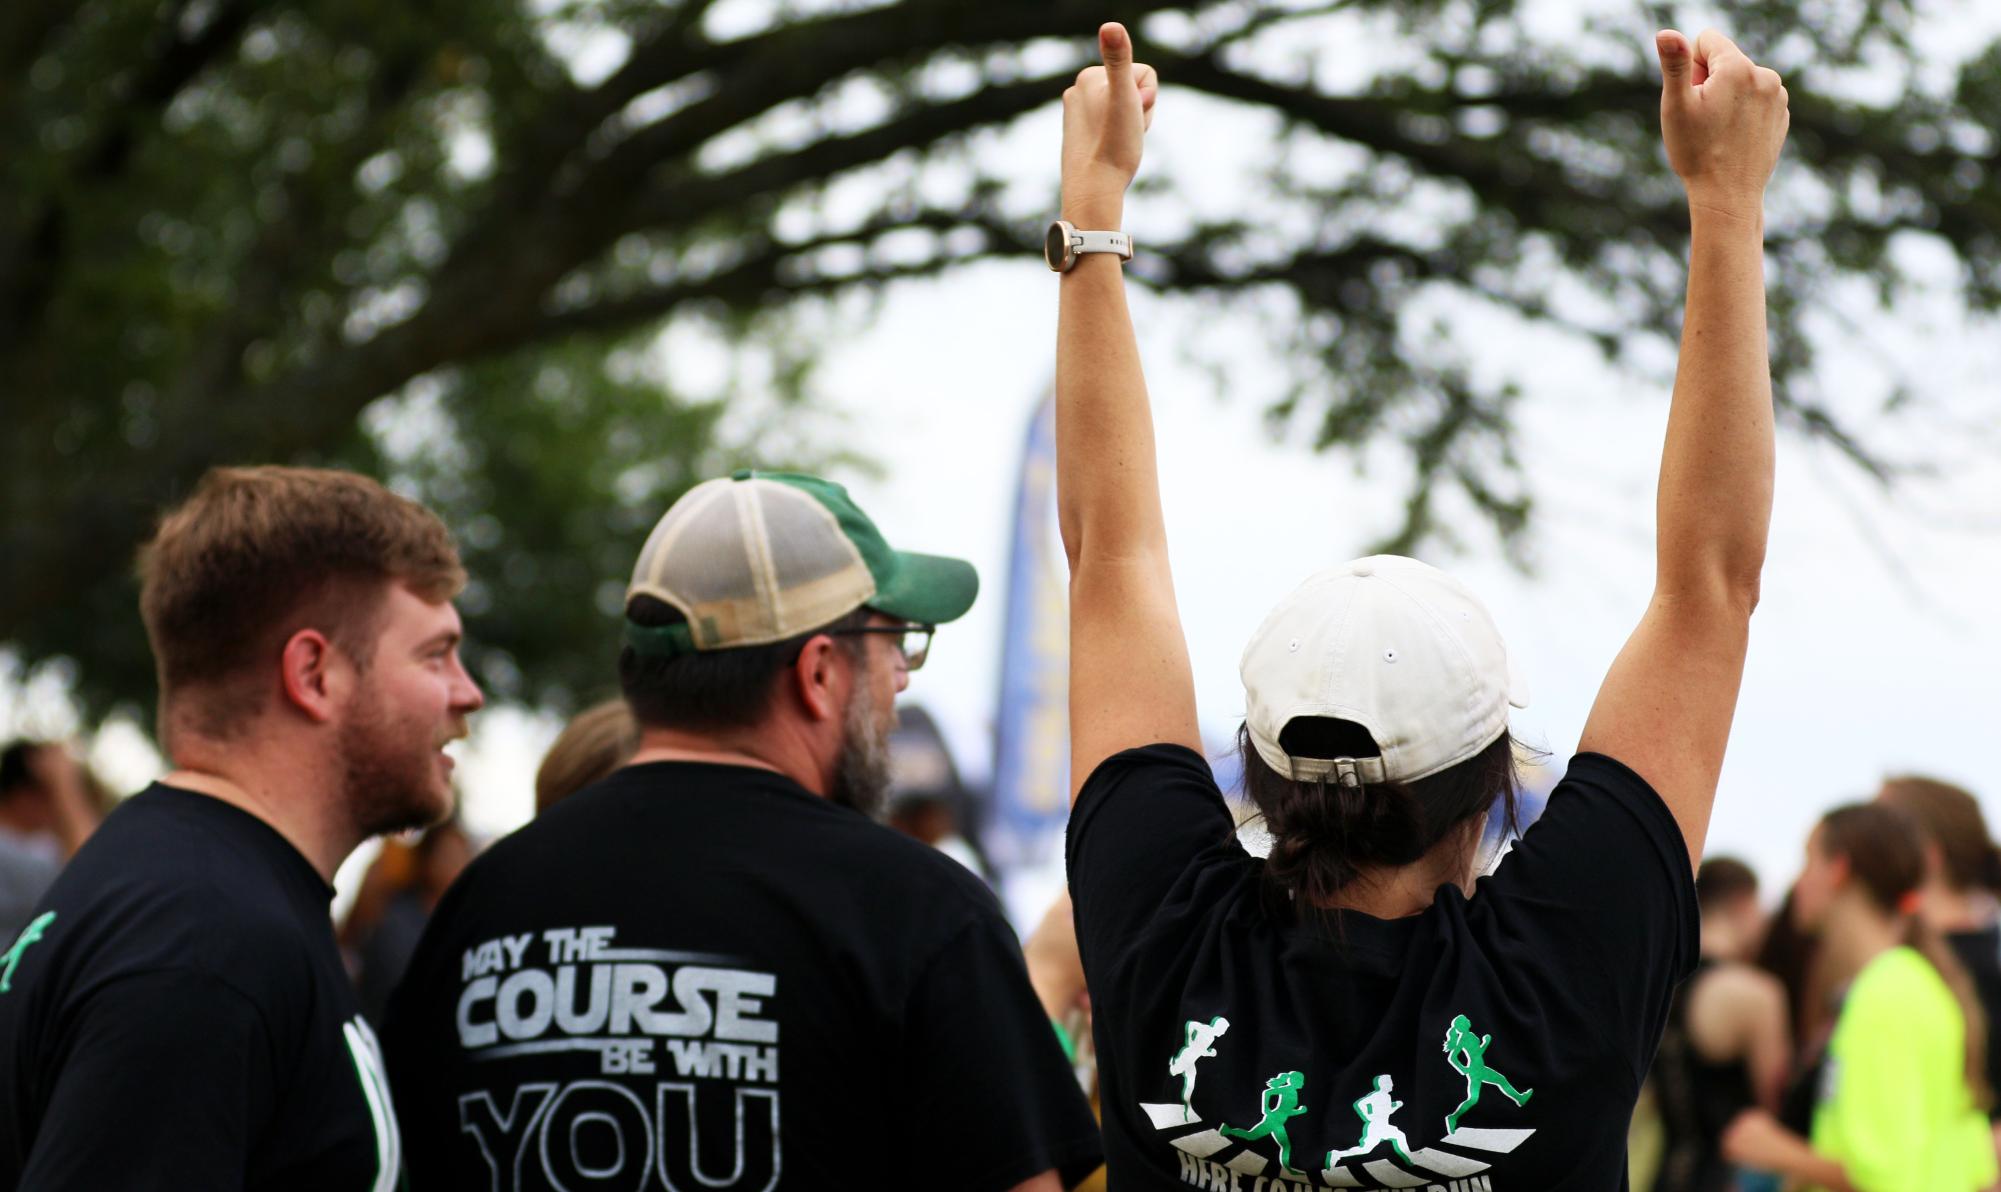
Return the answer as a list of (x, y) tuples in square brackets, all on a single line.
[(1105, 117), (1724, 119)]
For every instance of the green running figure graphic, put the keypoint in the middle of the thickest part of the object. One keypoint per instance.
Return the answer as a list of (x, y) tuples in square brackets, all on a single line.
[(1375, 1108), (1199, 1043), (1281, 1103), (1460, 1040), (12, 958)]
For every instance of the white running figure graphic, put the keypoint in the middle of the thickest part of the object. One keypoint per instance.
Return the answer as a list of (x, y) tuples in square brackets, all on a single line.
[(1375, 1108), (1199, 1044)]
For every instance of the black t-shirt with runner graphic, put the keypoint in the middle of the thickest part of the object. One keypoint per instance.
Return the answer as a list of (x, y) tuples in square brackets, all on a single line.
[(1489, 1044), (176, 1016), (697, 976)]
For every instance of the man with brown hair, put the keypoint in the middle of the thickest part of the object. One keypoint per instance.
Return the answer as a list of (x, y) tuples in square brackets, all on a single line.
[(180, 992)]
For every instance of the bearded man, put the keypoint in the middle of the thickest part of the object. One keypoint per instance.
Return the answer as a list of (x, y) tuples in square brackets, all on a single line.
[(177, 1014), (714, 969)]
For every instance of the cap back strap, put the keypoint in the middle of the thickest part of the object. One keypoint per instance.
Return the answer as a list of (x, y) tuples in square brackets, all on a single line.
[(660, 641), (1341, 771)]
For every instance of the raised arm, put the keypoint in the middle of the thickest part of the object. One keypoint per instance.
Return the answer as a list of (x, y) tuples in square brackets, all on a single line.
[(1666, 705), (1130, 682)]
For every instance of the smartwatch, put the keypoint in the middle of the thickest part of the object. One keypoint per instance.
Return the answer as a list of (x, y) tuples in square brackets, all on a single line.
[(1062, 244)]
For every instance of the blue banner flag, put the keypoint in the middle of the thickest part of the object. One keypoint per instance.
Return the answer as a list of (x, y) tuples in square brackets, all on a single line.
[(1031, 796)]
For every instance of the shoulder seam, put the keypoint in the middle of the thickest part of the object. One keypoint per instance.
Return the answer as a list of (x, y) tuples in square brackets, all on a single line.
[(922, 971), (202, 974)]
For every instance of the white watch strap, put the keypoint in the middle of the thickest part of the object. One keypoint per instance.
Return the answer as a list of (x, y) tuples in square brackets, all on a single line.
[(1118, 242)]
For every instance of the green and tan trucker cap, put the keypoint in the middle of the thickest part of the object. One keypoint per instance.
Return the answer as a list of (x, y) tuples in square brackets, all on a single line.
[(760, 557)]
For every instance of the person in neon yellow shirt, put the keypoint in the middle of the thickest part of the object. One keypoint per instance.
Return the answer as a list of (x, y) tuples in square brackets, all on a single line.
[(1902, 1093)]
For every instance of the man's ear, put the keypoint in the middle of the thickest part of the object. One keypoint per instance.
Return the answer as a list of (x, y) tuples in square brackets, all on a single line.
[(816, 679), (311, 674)]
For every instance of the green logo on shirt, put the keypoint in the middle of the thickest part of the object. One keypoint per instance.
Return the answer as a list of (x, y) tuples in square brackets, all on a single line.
[(367, 1053), (1375, 1108), (29, 934), (1281, 1104), (1199, 1043), (1202, 1151), (1467, 1052)]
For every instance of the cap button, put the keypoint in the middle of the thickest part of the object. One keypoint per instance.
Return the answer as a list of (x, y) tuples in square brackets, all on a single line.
[(743, 474), (1363, 568)]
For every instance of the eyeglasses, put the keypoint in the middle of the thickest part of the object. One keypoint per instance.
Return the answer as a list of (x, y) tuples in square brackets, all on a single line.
[(913, 641)]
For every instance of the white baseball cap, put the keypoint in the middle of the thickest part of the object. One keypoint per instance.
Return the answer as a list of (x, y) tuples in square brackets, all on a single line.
[(1394, 645)]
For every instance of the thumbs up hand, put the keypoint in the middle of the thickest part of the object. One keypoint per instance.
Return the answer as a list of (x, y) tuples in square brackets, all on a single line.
[(1724, 119), (1105, 117)]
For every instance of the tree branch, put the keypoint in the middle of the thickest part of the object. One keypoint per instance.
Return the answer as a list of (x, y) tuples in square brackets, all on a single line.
[(761, 72), (763, 272), (304, 233), (684, 198), (1501, 174), (31, 262)]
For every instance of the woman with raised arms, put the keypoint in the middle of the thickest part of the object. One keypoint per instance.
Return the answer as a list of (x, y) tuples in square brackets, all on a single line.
[(1391, 1024)]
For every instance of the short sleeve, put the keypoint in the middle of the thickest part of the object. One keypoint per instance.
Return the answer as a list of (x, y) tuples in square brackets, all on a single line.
[(990, 1096), (177, 1067), (1141, 820), (1601, 893)]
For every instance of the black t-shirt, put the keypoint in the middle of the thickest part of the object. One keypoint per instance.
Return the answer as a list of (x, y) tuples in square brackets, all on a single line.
[(1490, 1044), (1698, 1099), (705, 977), (1980, 951), (176, 1016)]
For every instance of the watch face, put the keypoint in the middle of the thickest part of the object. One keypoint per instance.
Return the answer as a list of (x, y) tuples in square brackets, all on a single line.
[(1055, 246)]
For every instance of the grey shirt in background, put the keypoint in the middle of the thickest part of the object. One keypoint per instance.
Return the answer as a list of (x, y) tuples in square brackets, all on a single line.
[(28, 867)]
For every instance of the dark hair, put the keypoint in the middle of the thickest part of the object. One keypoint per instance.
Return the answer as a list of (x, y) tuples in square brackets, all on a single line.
[(710, 689), (1788, 953), (1324, 835), (1884, 848), (1951, 818), (14, 772), (1723, 880)]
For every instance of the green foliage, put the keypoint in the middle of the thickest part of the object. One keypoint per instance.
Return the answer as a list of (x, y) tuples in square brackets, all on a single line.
[(441, 240)]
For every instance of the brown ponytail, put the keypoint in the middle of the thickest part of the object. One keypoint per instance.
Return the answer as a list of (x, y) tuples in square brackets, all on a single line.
[(1885, 852), (1928, 943)]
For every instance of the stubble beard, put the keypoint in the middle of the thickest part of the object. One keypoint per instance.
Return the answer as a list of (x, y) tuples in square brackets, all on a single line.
[(389, 774)]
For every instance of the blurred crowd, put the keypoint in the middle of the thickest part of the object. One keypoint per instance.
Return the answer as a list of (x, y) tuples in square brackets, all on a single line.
[(1895, 900)]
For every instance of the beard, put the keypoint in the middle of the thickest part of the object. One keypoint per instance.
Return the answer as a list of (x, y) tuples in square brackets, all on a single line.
[(861, 773), (389, 772)]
